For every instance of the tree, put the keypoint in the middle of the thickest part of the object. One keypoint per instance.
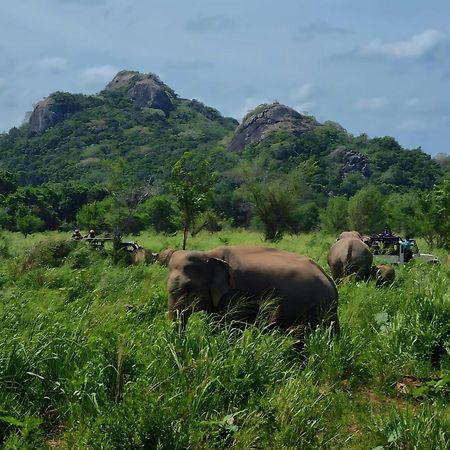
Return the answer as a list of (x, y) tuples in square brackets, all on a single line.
[(273, 206), (191, 183), (157, 212), (435, 215), (279, 205), (8, 182), (402, 213), (334, 218), (365, 211), (28, 223)]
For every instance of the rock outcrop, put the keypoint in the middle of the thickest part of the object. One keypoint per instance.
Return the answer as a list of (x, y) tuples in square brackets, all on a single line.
[(263, 120), (52, 110), (145, 90), (351, 161)]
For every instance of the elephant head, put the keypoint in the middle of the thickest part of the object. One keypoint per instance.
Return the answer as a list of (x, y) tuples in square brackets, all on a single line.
[(164, 256), (383, 274), (197, 282)]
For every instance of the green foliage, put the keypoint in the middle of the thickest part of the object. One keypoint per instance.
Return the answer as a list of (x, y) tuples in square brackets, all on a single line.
[(108, 127), (191, 183), (159, 213), (48, 253), (366, 212), (88, 359), (93, 215), (403, 213), (28, 223), (282, 207), (335, 217), (403, 429), (8, 182), (435, 215), (274, 207)]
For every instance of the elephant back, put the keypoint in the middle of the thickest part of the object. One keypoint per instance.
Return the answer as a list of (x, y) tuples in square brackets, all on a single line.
[(350, 256)]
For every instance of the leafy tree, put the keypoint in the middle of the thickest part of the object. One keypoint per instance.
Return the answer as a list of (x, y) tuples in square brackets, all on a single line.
[(278, 206), (273, 206), (94, 215), (435, 215), (334, 218), (402, 213), (157, 212), (365, 211), (191, 183), (28, 223)]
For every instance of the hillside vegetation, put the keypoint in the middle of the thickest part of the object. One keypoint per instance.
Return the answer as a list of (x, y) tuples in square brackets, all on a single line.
[(79, 151), (89, 359)]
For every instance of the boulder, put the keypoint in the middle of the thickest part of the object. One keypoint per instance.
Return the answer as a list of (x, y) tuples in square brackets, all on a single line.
[(351, 161), (263, 120), (145, 90), (52, 110)]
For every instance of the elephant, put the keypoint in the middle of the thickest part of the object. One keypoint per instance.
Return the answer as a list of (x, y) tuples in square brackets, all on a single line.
[(350, 256), (383, 274), (239, 279)]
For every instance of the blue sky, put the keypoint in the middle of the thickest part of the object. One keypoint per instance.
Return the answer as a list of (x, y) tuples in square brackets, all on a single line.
[(377, 67)]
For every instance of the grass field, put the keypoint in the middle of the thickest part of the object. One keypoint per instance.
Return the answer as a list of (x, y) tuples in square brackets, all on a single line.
[(89, 360)]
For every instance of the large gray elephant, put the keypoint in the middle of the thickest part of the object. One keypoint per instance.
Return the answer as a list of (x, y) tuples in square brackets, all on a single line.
[(350, 255), (241, 278)]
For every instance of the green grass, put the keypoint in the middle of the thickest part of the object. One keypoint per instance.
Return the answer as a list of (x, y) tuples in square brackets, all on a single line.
[(88, 359)]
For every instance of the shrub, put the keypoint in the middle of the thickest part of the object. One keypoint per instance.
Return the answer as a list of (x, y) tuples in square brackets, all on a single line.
[(48, 253)]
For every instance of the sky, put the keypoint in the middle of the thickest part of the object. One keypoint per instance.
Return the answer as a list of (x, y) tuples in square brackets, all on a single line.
[(377, 67)]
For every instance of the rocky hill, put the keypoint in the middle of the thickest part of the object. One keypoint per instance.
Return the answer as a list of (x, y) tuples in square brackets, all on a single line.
[(265, 119), (141, 121)]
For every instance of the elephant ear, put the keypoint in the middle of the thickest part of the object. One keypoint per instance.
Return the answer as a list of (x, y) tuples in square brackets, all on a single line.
[(222, 280)]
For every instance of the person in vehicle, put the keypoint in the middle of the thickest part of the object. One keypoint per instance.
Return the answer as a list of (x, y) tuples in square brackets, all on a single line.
[(76, 235), (409, 245)]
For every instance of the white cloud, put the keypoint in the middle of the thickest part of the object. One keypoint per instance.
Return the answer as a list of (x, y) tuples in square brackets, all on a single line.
[(301, 96), (99, 74), (51, 64), (304, 108), (371, 104), (302, 93), (249, 104), (416, 46)]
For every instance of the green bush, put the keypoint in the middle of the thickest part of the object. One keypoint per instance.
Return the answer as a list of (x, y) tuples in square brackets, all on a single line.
[(48, 253)]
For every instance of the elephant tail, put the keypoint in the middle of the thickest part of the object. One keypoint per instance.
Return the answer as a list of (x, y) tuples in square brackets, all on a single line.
[(348, 258)]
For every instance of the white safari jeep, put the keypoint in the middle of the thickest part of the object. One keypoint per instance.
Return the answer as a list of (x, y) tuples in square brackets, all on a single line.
[(391, 249)]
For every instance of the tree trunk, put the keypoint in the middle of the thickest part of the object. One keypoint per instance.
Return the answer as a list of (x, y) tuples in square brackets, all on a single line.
[(185, 232)]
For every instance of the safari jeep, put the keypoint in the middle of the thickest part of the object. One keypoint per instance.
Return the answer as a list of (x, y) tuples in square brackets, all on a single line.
[(391, 249)]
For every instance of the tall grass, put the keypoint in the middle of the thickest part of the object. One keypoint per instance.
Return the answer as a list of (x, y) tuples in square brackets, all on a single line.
[(88, 359)]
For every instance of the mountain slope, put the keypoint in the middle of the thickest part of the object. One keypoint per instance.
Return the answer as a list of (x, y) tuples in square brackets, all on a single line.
[(139, 119), (112, 124)]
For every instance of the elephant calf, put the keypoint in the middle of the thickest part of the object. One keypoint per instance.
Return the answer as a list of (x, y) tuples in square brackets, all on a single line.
[(350, 255), (383, 274), (244, 276)]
